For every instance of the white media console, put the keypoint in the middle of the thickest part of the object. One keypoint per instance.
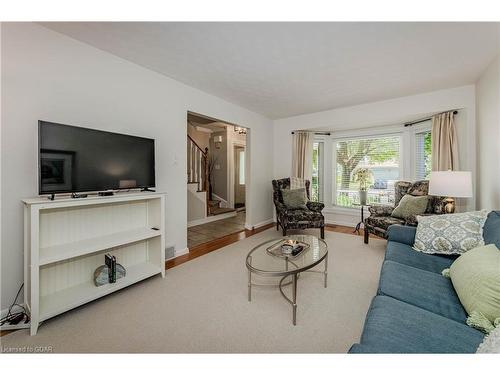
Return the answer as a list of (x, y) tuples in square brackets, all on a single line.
[(65, 241)]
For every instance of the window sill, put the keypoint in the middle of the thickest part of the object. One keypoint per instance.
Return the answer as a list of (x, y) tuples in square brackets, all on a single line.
[(342, 210)]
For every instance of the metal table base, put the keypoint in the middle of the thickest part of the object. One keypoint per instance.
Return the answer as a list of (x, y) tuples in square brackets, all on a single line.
[(294, 276)]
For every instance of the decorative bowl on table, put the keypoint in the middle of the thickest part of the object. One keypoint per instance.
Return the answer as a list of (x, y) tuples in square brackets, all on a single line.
[(287, 248)]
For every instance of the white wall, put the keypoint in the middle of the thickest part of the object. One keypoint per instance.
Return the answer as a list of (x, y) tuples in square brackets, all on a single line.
[(488, 136), (388, 112), (46, 75)]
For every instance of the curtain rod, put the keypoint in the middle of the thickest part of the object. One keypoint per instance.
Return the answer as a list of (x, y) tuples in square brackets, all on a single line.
[(316, 133), (426, 119)]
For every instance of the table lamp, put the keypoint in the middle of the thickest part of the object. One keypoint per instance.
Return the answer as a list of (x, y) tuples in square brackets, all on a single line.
[(450, 184)]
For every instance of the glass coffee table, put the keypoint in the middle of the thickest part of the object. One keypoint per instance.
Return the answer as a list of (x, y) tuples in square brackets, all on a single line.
[(261, 262)]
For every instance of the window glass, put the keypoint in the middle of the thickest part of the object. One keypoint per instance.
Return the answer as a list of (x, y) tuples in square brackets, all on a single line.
[(380, 156), (423, 152), (317, 172)]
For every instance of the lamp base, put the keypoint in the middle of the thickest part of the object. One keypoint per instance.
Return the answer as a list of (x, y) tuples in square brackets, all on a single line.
[(449, 207)]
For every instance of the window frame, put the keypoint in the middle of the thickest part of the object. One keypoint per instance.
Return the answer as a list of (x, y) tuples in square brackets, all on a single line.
[(412, 132), (377, 133), (321, 167), (407, 155)]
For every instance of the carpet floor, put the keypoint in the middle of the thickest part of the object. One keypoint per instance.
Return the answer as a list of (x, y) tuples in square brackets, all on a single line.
[(201, 307)]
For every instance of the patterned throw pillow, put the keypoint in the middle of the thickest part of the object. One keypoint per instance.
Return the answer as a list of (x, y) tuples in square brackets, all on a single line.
[(451, 233)]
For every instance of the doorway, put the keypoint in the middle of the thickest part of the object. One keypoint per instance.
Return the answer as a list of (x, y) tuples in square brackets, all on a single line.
[(217, 167), (239, 177)]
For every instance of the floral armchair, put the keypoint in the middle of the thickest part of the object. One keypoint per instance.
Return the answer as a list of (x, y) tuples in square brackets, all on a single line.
[(380, 215), (299, 218)]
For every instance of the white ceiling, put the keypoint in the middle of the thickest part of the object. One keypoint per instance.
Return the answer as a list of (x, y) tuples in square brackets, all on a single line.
[(285, 69)]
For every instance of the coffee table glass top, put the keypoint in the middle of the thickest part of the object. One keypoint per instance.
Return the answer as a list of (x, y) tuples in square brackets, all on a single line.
[(261, 262)]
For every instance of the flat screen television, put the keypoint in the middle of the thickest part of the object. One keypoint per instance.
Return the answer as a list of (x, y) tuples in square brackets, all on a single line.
[(76, 159)]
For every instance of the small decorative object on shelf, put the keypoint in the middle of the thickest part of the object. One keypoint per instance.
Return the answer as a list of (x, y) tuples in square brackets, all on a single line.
[(365, 177), (101, 274), (109, 272)]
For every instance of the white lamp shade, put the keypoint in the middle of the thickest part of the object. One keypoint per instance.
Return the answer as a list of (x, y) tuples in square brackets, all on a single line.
[(453, 184)]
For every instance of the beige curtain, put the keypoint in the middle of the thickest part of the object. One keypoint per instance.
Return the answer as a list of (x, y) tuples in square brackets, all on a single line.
[(302, 145), (444, 143)]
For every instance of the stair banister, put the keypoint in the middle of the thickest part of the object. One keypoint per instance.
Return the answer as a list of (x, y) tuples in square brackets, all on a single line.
[(197, 165)]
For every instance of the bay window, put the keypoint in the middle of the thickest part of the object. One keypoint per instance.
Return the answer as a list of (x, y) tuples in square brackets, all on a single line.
[(389, 154), (380, 155)]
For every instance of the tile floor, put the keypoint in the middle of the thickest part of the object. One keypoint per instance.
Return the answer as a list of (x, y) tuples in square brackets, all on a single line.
[(207, 232)]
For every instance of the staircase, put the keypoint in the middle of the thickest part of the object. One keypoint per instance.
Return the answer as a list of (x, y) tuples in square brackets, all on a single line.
[(200, 204), (214, 208), (197, 169)]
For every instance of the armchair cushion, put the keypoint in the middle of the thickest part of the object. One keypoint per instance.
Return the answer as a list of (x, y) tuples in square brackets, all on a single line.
[(383, 222), (381, 210), (296, 216)]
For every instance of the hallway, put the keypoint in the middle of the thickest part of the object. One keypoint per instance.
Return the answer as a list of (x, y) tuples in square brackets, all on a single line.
[(216, 229)]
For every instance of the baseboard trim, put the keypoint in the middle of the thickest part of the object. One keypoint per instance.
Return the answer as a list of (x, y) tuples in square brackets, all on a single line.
[(340, 222), (258, 225), (210, 219), (180, 252)]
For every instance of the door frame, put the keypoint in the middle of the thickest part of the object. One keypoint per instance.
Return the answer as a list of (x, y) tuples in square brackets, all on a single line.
[(230, 171)]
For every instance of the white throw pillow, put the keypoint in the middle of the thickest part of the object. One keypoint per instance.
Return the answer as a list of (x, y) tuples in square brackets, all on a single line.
[(450, 233), (491, 343)]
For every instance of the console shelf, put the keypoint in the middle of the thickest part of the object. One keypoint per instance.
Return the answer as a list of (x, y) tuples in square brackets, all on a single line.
[(56, 253), (66, 299), (65, 241)]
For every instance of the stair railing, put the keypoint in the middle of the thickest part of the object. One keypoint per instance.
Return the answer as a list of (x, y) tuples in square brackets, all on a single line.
[(197, 164)]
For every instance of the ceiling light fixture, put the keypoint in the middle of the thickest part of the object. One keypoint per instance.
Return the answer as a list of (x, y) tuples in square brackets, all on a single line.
[(240, 130)]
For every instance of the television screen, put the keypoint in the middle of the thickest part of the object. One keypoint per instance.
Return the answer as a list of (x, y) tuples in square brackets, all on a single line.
[(75, 159)]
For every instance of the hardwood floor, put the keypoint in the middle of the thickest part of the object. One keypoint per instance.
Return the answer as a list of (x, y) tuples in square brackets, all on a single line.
[(207, 247), (218, 243), (208, 232), (345, 230)]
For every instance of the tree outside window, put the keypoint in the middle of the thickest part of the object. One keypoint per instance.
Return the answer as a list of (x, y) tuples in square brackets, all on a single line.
[(317, 169), (379, 155)]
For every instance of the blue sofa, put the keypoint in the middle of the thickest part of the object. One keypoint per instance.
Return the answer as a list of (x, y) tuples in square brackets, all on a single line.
[(416, 309)]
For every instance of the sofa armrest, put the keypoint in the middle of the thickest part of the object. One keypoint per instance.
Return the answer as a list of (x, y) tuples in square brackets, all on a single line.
[(315, 206), (381, 210), (401, 233)]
